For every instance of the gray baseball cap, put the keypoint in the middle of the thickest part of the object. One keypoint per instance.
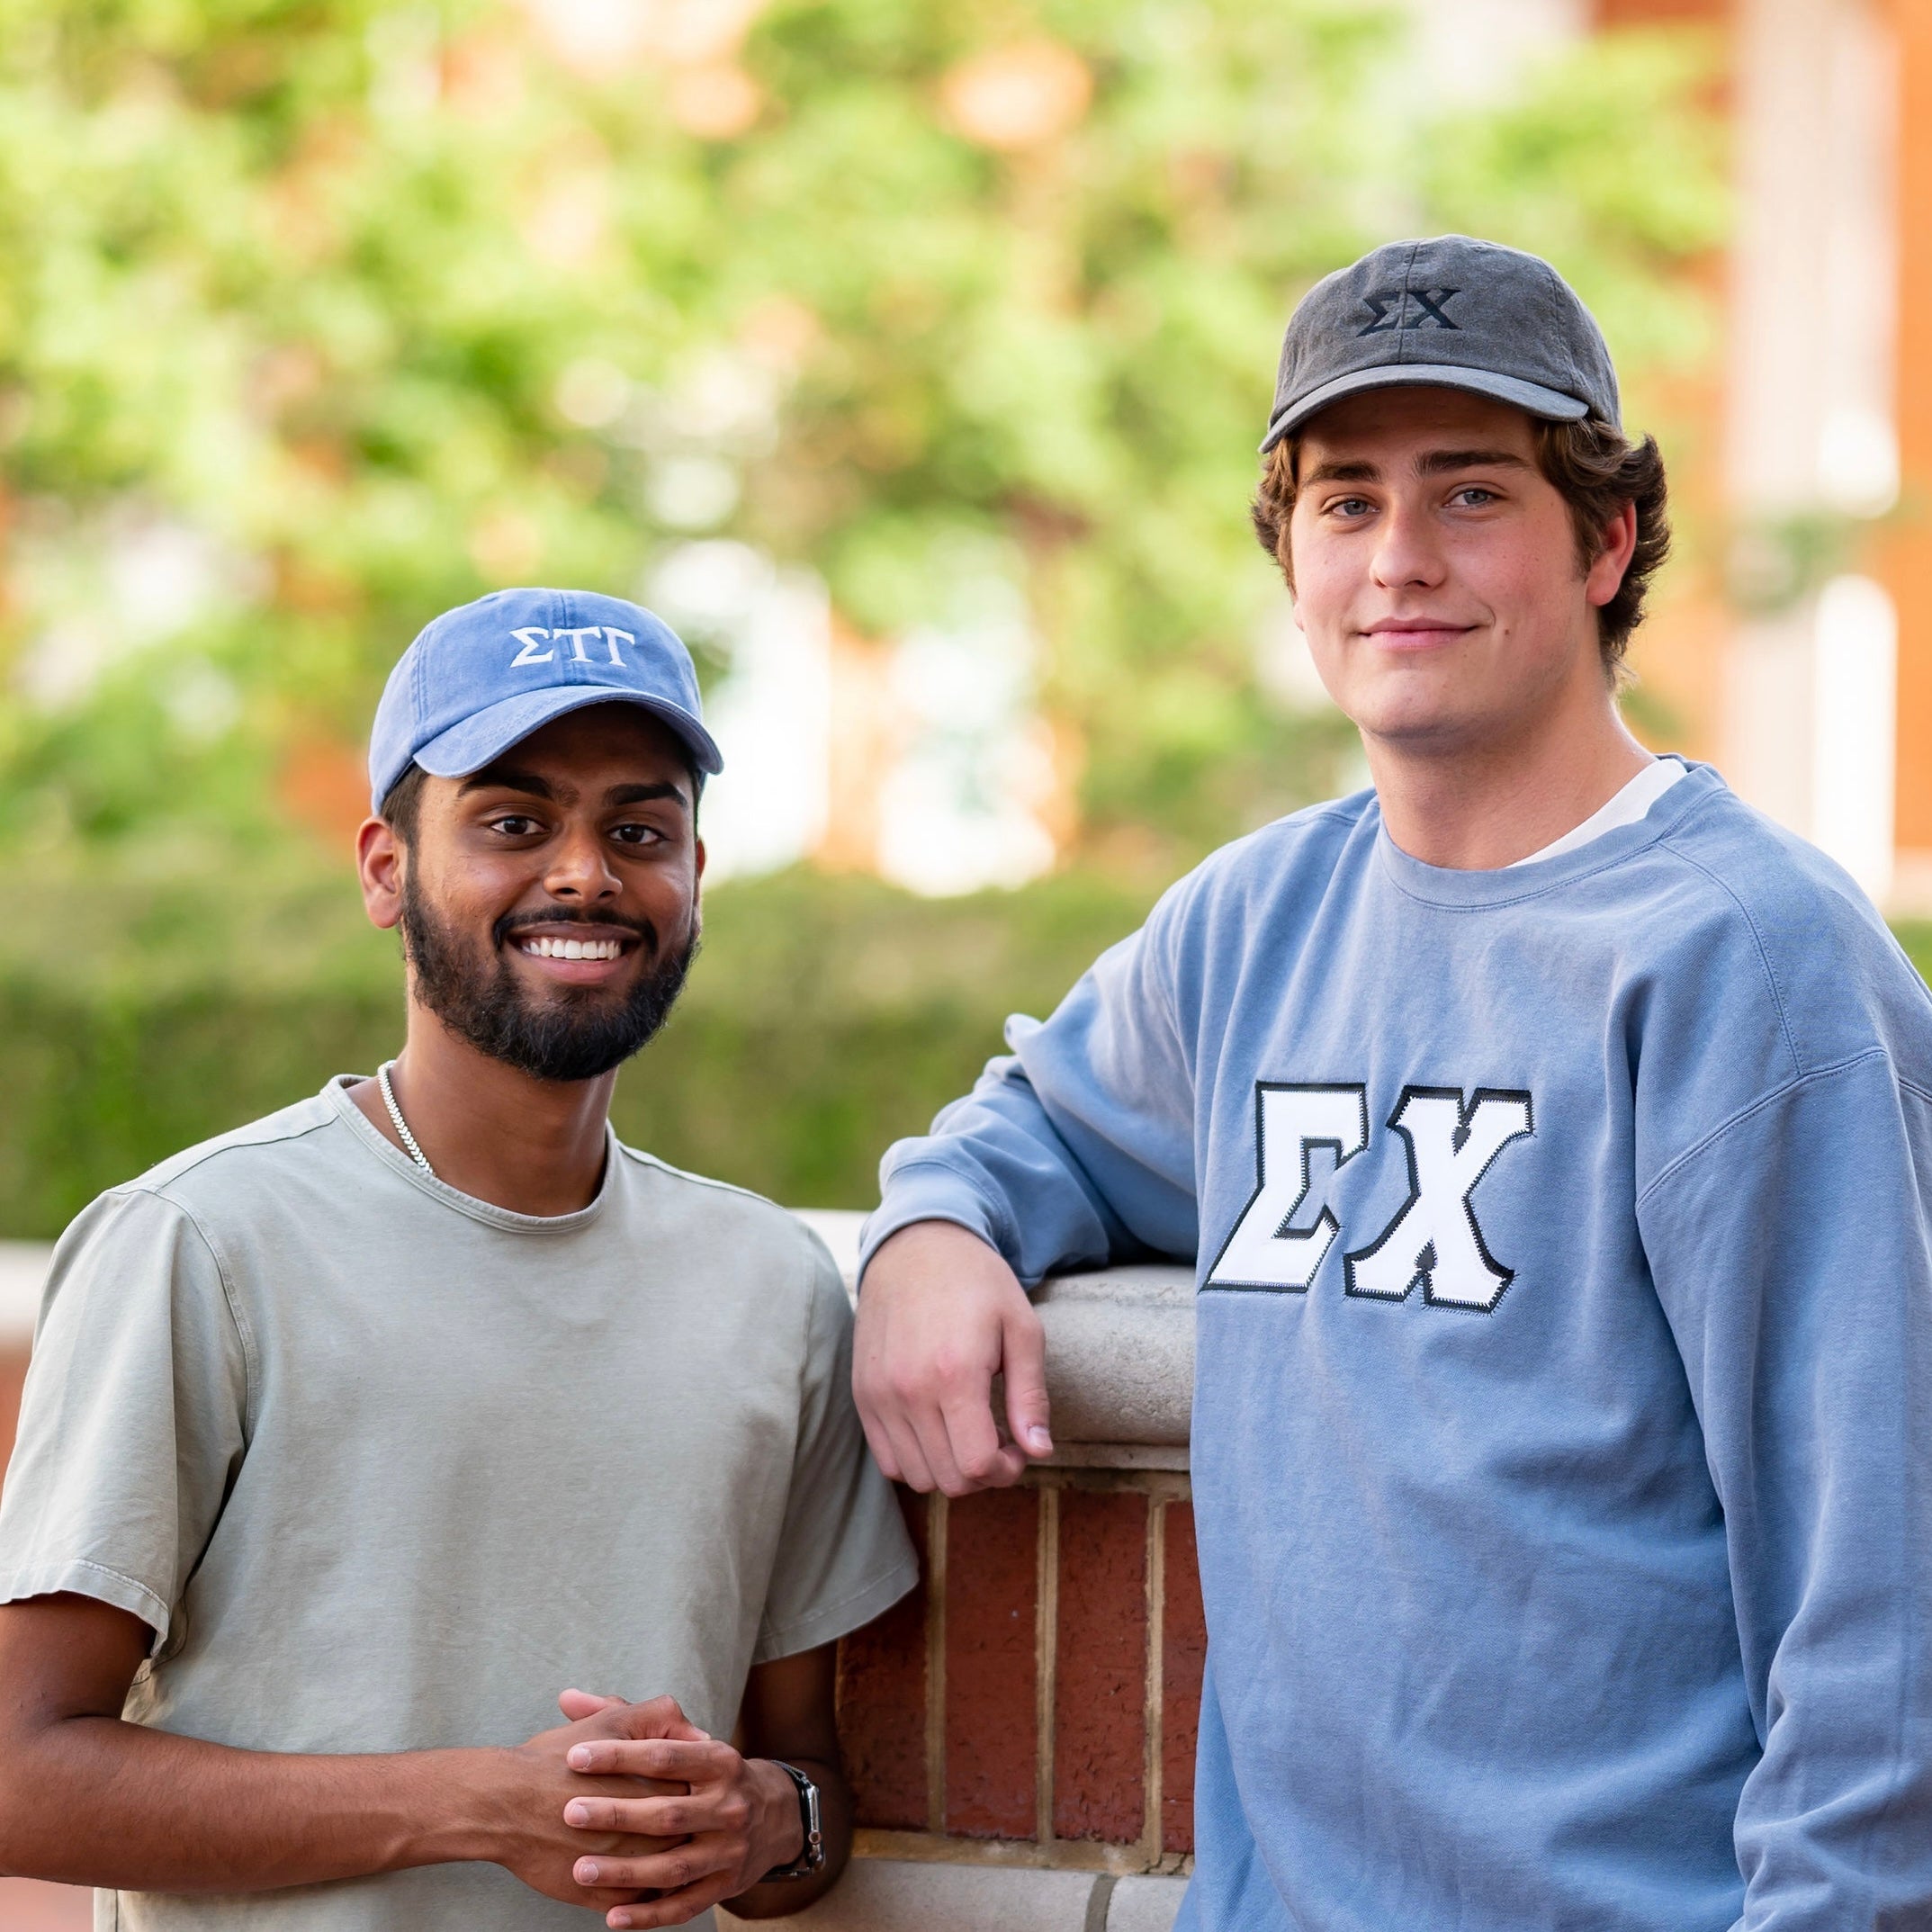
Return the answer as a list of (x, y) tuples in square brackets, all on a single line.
[(1452, 314)]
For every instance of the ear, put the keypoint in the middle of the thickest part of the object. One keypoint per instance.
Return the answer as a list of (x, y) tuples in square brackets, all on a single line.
[(700, 845), (379, 860), (1605, 576)]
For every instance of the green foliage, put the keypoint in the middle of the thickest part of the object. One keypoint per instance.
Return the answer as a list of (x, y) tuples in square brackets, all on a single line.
[(824, 1018), (1596, 167), (352, 310), (319, 315), (1916, 937)]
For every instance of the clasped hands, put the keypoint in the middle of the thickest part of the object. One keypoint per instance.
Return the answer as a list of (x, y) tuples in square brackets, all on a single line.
[(662, 1818)]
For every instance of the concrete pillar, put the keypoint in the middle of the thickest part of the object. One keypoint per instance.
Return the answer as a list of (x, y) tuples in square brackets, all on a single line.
[(1475, 49), (1810, 435), (1908, 565)]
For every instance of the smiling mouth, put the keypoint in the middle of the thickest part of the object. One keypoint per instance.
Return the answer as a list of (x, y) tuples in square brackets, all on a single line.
[(1421, 634), (541, 945)]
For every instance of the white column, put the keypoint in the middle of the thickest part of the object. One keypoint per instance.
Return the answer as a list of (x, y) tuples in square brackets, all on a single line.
[(1475, 49), (1810, 714), (1854, 728)]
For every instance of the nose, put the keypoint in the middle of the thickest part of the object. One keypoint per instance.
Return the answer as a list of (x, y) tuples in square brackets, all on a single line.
[(1407, 555), (579, 872)]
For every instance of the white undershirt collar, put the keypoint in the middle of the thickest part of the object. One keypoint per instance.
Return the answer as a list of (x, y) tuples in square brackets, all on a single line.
[(1625, 808)]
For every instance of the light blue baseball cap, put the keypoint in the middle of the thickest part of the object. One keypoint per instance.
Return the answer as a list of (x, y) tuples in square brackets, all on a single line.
[(481, 677)]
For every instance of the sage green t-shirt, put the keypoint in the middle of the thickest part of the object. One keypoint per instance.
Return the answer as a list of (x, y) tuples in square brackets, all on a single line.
[(386, 1467)]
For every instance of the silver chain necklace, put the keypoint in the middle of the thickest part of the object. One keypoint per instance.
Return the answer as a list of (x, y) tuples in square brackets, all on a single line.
[(401, 1126)]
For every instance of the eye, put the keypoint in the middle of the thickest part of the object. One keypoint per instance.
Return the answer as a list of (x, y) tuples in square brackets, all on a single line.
[(515, 825), (1475, 497), (634, 833), (1350, 507)]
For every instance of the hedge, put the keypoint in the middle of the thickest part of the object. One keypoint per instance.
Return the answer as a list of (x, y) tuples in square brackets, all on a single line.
[(826, 1018)]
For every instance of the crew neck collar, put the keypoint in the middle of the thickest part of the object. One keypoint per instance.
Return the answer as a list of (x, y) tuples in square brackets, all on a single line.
[(1510, 885), (337, 1092)]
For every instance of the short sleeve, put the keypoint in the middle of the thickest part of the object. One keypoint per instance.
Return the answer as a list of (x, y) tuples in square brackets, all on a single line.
[(133, 1420), (844, 1555)]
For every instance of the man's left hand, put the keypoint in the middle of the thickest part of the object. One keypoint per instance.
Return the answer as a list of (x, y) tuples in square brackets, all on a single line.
[(738, 1817)]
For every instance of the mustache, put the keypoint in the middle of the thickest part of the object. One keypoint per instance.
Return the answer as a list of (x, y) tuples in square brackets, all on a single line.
[(512, 924)]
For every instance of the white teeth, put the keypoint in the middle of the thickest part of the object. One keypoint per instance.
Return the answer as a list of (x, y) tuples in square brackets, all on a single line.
[(543, 947)]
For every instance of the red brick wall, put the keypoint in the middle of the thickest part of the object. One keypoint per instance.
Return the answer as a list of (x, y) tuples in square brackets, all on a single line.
[(882, 1686), (1100, 1741), (12, 1372), (1038, 1699), (992, 1675)]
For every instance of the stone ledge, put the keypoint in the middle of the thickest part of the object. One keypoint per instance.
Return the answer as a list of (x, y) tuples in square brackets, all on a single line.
[(1119, 1355), (894, 1895)]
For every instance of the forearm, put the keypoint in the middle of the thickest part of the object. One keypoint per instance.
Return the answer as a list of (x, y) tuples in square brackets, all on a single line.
[(96, 1801), (788, 1895)]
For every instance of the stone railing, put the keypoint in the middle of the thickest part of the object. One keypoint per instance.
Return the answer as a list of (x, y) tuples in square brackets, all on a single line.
[(1020, 1731)]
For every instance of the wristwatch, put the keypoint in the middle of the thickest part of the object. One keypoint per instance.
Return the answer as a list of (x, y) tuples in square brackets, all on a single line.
[(812, 1856)]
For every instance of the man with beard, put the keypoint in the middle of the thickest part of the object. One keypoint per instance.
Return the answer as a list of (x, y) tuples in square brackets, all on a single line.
[(355, 1436)]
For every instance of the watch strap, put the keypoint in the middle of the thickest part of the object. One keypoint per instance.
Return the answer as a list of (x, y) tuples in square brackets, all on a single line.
[(811, 1857)]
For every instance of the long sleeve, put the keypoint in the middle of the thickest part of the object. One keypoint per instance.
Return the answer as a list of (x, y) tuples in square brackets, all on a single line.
[(1793, 1252), (1076, 1148)]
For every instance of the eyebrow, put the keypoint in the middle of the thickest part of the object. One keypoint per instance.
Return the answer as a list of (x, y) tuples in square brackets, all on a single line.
[(1434, 462), (1441, 462), (638, 795), (1344, 472), (505, 779)]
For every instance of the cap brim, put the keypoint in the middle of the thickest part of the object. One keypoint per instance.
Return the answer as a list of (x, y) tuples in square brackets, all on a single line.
[(470, 746), (1549, 403)]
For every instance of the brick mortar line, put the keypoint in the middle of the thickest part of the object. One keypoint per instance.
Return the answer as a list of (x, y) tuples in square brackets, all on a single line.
[(936, 1569), (1046, 1660), (1156, 1628)]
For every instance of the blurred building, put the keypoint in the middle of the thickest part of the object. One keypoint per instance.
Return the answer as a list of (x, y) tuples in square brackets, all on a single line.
[(1792, 644), (1803, 667)]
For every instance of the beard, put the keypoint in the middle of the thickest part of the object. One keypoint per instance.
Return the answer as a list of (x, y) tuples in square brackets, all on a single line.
[(575, 1033)]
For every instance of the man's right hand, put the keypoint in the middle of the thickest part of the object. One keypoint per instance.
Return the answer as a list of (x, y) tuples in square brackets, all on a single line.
[(939, 1315), (524, 1826)]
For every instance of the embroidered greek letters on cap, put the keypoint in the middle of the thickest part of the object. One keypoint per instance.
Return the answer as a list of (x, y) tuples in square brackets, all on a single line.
[(1388, 309)]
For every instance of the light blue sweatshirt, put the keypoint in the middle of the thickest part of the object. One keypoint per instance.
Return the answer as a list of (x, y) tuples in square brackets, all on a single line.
[(1562, 1448)]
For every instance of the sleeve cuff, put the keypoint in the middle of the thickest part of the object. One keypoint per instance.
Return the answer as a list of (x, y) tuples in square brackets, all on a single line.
[(835, 1619), (79, 1577), (928, 1190)]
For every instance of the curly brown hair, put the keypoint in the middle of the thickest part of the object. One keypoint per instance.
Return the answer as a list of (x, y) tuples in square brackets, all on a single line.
[(1593, 465)]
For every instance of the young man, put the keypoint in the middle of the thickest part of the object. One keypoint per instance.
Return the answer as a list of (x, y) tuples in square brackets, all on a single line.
[(1555, 1139), (355, 1436)]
